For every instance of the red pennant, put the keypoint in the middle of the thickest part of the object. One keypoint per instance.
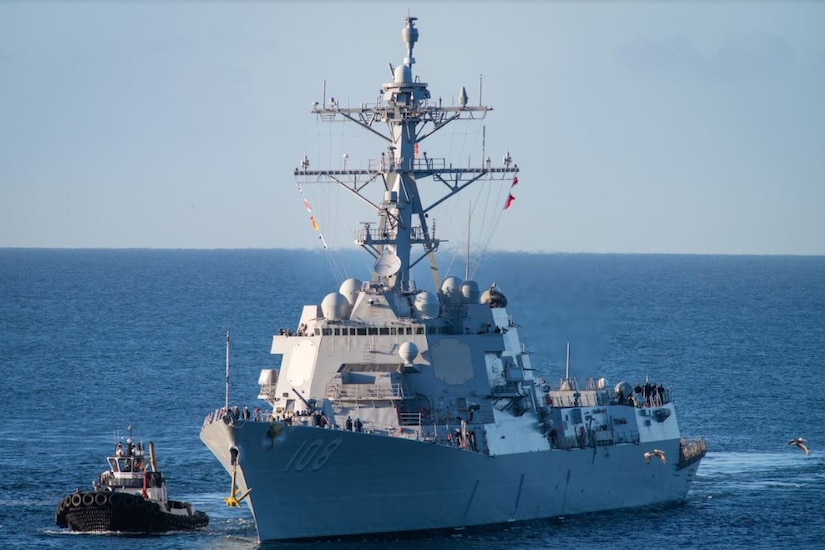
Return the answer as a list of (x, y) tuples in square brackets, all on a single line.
[(510, 199)]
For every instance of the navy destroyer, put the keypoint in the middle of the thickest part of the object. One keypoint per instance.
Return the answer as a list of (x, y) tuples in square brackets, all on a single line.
[(397, 409)]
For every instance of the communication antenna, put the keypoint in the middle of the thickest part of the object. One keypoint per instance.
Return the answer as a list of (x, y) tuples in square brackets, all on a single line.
[(469, 225), (387, 263), (227, 370)]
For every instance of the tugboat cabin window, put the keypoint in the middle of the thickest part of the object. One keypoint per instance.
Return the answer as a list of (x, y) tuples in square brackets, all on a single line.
[(129, 464)]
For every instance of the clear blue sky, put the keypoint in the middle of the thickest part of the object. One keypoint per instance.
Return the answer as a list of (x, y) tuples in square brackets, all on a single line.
[(694, 127)]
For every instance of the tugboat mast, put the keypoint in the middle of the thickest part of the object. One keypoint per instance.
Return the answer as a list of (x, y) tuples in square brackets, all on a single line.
[(406, 110)]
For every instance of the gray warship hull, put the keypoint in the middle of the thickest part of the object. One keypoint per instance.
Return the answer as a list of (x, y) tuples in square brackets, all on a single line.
[(317, 483)]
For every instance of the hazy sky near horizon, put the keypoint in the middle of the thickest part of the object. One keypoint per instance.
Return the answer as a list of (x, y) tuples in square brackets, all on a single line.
[(638, 127)]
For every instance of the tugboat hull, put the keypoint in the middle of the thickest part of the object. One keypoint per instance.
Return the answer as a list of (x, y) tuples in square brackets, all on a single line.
[(123, 512)]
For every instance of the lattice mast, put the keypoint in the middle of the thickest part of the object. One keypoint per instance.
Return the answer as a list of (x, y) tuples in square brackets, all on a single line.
[(406, 109)]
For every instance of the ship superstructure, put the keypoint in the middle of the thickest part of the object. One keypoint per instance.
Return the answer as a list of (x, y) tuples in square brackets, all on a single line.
[(398, 409)]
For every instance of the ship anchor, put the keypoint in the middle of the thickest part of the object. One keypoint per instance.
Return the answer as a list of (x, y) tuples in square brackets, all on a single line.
[(234, 500)]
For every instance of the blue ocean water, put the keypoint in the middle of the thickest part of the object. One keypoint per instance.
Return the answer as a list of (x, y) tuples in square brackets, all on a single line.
[(95, 340)]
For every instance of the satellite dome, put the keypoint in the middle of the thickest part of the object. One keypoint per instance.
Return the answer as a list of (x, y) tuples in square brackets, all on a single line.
[(350, 289), (388, 263), (470, 292), (427, 304), (494, 297), (624, 388), (402, 75), (451, 290), (335, 307), (408, 351)]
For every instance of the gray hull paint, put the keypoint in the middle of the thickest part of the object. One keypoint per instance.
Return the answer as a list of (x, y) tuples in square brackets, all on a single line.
[(315, 483)]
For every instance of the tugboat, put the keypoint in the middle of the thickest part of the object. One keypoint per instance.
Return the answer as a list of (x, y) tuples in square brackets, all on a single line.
[(398, 409), (129, 497)]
